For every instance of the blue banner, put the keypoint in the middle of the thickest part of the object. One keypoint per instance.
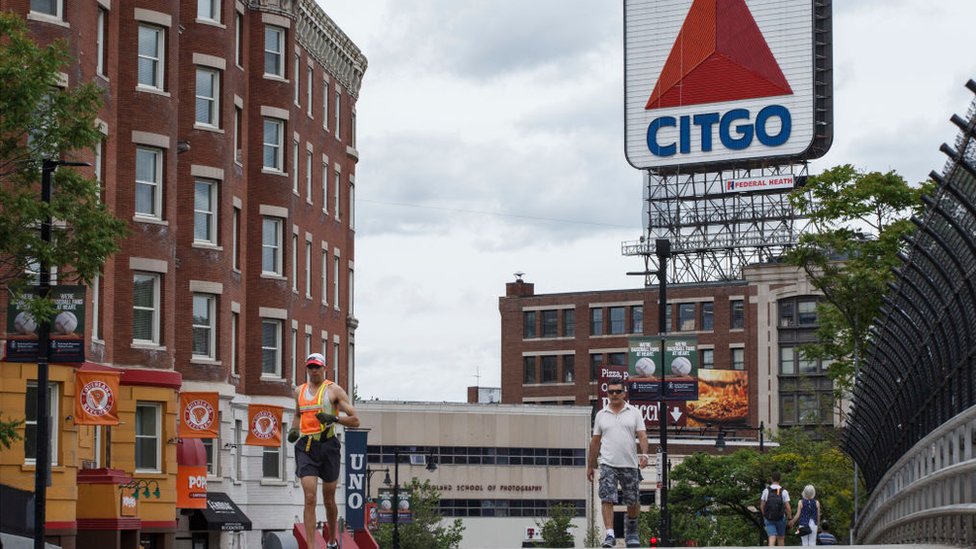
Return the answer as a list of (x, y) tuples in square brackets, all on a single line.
[(355, 445)]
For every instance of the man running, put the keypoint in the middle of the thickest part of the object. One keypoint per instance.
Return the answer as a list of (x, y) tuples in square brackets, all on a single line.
[(319, 402)]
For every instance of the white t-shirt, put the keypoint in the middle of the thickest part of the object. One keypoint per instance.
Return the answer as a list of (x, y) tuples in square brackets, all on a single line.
[(786, 495), (617, 432)]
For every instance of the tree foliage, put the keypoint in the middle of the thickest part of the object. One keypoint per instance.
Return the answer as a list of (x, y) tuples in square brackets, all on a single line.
[(428, 529), (8, 432), (555, 527), (40, 121), (857, 223)]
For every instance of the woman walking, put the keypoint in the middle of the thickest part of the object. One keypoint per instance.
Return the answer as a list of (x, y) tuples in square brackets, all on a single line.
[(807, 515)]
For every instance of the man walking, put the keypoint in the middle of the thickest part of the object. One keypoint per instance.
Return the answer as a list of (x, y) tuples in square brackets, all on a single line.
[(775, 506), (614, 429), (317, 449)]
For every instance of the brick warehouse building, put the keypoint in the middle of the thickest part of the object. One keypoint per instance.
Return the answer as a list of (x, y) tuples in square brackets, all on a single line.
[(230, 150)]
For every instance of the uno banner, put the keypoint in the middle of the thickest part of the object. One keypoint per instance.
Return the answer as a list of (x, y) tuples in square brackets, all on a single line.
[(355, 446), (98, 397), (198, 415), (263, 425), (191, 486)]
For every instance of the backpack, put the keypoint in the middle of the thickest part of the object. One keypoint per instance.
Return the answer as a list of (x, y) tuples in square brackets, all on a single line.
[(774, 505)]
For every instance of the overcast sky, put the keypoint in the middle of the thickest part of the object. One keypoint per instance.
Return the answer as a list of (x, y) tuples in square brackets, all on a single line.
[(491, 141)]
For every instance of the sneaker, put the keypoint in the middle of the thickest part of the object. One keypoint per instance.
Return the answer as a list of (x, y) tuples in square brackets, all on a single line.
[(332, 545), (609, 541), (630, 534)]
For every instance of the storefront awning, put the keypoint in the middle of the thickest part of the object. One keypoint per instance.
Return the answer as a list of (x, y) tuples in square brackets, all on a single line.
[(221, 513)]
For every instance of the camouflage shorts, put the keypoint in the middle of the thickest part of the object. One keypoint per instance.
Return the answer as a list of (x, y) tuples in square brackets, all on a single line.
[(629, 484)]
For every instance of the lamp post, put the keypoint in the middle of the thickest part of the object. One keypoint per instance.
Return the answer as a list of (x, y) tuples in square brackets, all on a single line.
[(396, 497), (42, 456)]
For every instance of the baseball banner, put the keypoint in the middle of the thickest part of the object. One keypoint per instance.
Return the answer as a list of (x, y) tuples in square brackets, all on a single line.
[(263, 425), (98, 397), (198, 415)]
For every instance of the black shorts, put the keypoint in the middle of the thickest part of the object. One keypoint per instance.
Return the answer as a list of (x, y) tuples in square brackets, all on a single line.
[(321, 460)]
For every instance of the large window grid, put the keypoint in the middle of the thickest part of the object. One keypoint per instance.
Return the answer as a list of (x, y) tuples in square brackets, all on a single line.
[(271, 347), (485, 455), (550, 323), (528, 370), (208, 97), (274, 51), (152, 57), (149, 182), (686, 317), (205, 212), (30, 422), (618, 320), (145, 308), (528, 324), (550, 369), (596, 321), (569, 323), (737, 318), (707, 316), (637, 319), (148, 437), (506, 507), (274, 134), (204, 325), (271, 246)]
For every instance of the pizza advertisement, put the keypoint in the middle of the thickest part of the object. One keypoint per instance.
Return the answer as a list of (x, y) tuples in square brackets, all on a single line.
[(723, 397)]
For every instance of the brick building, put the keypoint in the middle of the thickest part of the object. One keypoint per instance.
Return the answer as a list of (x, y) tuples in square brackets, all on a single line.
[(230, 149)]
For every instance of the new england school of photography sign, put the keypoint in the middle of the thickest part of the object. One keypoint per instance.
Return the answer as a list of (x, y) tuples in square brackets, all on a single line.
[(67, 329)]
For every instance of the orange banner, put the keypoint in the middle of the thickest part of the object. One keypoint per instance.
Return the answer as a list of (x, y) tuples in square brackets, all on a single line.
[(97, 399), (263, 425), (198, 415), (191, 487)]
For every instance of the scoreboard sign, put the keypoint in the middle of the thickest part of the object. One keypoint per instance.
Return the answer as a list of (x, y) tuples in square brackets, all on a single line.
[(716, 84)]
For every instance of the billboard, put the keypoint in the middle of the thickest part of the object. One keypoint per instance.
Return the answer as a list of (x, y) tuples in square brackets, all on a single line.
[(723, 398), (67, 329), (720, 84)]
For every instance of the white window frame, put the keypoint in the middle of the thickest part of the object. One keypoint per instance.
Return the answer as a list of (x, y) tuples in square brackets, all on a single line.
[(352, 203), (336, 261), (276, 325), (156, 185), (296, 72), (294, 262), (325, 104), (238, 38), (210, 301), (156, 409), (209, 214), (238, 129), (58, 10), (308, 175), (279, 53), (279, 452), (336, 198), (235, 239), (96, 307), (308, 269), (53, 414), (277, 145), (159, 62), (325, 277), (153, 309), (235, 321), (294, 354), (213, 6), (338, 103), (239, 448), (309, 76), (100, 44), (212, 102), (294, 165), (276, 246), (325, 186)]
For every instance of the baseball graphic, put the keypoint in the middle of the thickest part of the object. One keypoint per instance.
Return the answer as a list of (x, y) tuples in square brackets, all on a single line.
[(24, 323), (65, 323), (645, 367), (681, 366)]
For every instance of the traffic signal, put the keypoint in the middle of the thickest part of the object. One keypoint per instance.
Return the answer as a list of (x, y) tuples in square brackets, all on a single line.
[(652, 542)]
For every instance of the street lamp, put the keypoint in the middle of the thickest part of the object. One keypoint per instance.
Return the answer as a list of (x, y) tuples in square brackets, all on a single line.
[(42, 456), (431, 466)]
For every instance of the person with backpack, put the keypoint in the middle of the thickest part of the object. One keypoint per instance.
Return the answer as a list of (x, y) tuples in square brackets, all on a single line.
[(807, 514), (775, 506)]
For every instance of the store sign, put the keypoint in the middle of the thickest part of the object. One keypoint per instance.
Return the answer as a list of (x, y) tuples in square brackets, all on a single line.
[(355, 445), (129, 505), (191, 487)]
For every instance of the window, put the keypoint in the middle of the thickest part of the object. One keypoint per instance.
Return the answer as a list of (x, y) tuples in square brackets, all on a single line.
[(238, 133), (271, 244), (294, 262), (806, 365), (787, 361), (550, 321), (352, 204), (335, 194), (617, 359), (209, 10), (239, 447), (325, 277), (808, 408), (97, 307), (294, 355), (806, 313), (325, 105), (238, 38), (667, 318), (338, 102), (528, 325), (596, 321), (637, 319), (213, 457), (308, 91), (294, 167), (549, 369), (738, 318), (707, 359), (270, 347), (149, 178), (787, 409), (686, 317), (235, 319), (618, 320), (30, 422), (208, 97), (274, 132), (152, 56), (596, 362), (205, 211), (528, 369), (787, 312), (204, 331), (335, 281), (308, 176), (707, 317), (335, 360), (274, 51), (297, 66), (145, 308), (738, 359), (54, 8), (236, 239), (148, 436), (569, 367), (569, 322), (271, 460), (308, 269), (100, 41), (325, 186)]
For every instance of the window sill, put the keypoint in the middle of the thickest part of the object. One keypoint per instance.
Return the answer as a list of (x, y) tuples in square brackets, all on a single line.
[(272, 276), (31, 467), (352, 153), (273, 482), (273, 379), (207, 128), (45, 18), (154, 91), (205, 361), (152, 474), (211, 23), (207, 246), (270, 171), (276, 78), (147, 346), (150, 220)]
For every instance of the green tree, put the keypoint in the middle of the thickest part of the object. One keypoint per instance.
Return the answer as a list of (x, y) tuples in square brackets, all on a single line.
[(857, 222), (41, 121), (427, 531), (8, 432), (555, 527)]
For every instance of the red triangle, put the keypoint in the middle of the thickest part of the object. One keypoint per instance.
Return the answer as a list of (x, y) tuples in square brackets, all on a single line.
[(719, 55)]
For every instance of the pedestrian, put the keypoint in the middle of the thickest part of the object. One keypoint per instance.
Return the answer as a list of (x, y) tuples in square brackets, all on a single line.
[(808, 515), (319, 402), (775, 506), (824, 537), (614, 429)]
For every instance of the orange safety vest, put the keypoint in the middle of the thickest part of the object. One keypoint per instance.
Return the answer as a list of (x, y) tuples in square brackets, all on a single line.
[(308, 407)]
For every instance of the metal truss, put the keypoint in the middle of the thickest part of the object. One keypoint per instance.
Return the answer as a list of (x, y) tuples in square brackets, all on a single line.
[(714, 233)]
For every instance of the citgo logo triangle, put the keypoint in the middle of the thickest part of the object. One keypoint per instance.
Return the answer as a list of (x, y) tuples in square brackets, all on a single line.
[(719, 55)]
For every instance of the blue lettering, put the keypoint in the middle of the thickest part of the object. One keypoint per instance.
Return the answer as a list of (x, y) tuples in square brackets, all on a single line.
[(705, 122), (786, 125), (656, 124), (744, 130), (685, 135)]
